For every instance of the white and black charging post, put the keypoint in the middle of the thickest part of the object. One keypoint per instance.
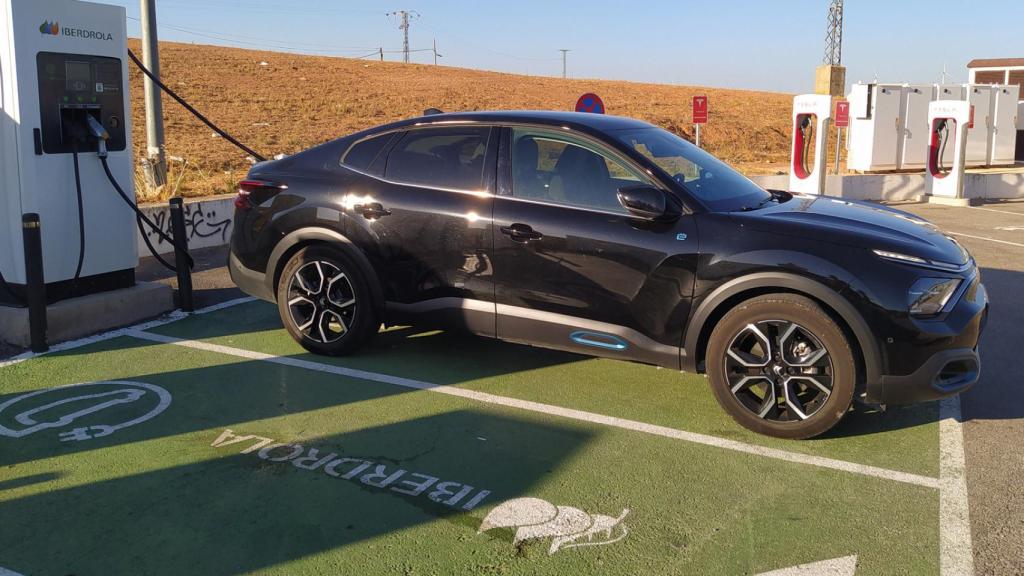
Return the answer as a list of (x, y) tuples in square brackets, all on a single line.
[(63, 62), (812, 115), (948, 122), (66, 156)]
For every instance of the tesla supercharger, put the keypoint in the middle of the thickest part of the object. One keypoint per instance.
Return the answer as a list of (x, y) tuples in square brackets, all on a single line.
[(812, 116), (947, 125), (61, 62)]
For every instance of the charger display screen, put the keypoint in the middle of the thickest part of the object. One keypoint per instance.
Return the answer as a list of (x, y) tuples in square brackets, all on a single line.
[(73, 87), (78, 76)]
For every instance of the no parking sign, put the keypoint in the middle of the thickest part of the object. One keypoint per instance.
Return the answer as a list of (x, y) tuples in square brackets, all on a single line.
[(590, 102)]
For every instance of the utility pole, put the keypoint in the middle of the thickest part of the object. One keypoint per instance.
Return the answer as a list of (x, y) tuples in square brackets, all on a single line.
[(945, 75), (156, 160), (564, 51), (381, 53), (403, 25), (830, 77), (834, 35)]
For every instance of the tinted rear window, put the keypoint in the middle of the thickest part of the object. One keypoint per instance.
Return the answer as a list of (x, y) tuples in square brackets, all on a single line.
[(362, 154), (451, 157)]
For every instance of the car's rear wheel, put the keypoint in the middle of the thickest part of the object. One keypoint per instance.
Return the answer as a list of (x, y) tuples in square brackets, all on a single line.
[(781, 366), (324, 301)]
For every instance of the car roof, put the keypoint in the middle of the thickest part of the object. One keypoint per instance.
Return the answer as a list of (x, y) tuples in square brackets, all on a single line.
[(596, 122)]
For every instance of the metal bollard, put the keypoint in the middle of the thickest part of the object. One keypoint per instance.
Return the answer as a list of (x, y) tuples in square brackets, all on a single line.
[(181, 255), (35, 293)]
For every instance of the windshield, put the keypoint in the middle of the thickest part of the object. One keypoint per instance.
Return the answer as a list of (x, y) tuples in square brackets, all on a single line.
[(713, 182)]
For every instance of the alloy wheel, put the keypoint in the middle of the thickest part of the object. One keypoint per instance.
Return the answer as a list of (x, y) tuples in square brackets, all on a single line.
[(321, 301), (779, 370)]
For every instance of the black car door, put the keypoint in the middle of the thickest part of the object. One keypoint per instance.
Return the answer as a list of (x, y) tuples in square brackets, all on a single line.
[(425, 225), (572, 268)]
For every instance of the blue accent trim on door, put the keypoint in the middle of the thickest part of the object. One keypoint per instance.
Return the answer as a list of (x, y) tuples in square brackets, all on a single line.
[(598, 340)]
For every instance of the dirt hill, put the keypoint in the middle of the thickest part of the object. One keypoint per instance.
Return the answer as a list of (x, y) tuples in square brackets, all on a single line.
[(282, 103)]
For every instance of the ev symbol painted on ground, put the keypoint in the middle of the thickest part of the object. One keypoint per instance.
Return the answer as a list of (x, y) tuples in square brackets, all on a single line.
[(535, 519), (100, 408)]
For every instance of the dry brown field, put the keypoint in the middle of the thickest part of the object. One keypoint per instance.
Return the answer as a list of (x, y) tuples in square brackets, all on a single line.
[(282, 103)]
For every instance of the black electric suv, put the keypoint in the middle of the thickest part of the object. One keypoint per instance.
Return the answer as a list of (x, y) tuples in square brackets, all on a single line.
[(608, 236)]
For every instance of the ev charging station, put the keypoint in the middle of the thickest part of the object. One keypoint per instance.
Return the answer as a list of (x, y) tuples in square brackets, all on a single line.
[(811, 112), (948, 129), (63, 84)]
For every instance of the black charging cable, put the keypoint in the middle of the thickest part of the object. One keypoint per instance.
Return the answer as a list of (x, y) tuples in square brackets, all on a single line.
[(805, 129), (944, 137), (141, 217), (81, 224), (81, 212), (259, 157), (97, 131)]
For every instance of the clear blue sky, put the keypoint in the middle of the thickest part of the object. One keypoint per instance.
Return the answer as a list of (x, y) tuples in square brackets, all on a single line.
[(757, 44)]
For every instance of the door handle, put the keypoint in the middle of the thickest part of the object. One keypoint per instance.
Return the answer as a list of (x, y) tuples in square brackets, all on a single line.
[(372, 211), (521, 233)]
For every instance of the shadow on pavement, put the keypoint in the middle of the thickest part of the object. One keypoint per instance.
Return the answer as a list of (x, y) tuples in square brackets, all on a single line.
[(234, 513), (997, 396)]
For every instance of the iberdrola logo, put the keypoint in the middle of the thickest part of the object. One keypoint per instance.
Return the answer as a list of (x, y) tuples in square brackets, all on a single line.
[(51, 28)]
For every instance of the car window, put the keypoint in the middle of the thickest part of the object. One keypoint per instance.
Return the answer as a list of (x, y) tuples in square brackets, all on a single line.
[(712, 181), (440, 157), (560, 169), (362, 154)]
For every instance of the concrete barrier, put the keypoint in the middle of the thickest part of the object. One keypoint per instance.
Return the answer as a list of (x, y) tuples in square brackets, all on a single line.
[(907, 187), (207, 223)]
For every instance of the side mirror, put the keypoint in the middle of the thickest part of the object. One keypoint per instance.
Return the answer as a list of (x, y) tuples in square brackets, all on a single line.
[(643, 201)]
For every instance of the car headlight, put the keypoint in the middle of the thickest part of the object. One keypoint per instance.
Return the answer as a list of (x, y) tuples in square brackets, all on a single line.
[(899, 257), (928, 296), (918, 261)]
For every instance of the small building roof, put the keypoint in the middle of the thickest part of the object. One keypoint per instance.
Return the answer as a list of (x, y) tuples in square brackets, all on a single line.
[(995, 62)]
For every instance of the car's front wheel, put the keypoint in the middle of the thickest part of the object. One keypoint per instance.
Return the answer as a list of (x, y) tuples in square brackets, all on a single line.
[(324, 301), (781, 366)]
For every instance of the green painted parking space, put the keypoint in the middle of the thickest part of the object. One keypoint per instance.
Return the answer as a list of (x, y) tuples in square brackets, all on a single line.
[(254, 467), (904, 439)]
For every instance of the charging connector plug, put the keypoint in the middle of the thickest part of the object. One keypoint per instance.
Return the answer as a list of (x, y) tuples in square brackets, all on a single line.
[(100, 133)]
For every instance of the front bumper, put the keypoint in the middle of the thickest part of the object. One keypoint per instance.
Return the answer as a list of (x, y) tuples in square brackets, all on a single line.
[(947, 373), (950, 363)]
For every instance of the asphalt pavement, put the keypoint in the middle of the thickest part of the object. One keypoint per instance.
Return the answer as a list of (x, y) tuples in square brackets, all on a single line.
[(993, 411)]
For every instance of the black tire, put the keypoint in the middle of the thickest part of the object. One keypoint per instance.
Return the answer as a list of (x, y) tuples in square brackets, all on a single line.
[(787, 332), (338, 317)]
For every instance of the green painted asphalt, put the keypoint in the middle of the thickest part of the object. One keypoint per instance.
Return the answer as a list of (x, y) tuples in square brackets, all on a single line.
[(904, 439), (160, 498)]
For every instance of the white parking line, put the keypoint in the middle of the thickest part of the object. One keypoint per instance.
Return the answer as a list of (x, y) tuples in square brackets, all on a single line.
[(794, 457), (955, 548), (167, 319), (984, 238), (994, 210)]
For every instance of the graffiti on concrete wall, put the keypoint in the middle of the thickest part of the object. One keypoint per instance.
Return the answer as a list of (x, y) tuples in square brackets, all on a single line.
[(206, 224)]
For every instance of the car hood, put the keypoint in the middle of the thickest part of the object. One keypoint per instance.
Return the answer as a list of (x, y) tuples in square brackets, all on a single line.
[(861, 224)]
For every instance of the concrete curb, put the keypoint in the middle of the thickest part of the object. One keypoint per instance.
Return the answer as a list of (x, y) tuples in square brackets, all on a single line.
[(70, 319)]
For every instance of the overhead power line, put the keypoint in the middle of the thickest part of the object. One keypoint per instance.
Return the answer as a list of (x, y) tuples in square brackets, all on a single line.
[(263, 43), (328, 49)]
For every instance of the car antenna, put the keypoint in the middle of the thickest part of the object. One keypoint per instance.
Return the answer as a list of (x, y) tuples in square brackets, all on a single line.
[(432, 111)]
